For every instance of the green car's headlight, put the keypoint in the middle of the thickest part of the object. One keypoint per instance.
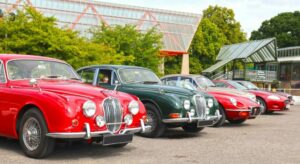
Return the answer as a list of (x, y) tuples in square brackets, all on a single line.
[(186, 104), (210, 102)]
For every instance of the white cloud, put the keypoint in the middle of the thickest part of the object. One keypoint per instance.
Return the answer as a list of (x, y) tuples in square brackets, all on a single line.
[(250, 13)]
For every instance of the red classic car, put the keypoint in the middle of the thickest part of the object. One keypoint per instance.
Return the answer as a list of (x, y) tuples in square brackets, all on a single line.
[(235, 106), (269, 101), (43, 99)]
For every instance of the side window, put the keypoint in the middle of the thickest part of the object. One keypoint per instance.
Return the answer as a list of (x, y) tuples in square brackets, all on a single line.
[(106, 77), (87, 75), (170, 81), (186, 82), (2, 74)]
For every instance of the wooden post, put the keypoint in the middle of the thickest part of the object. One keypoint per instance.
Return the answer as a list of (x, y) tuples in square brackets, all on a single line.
[(185, 66)]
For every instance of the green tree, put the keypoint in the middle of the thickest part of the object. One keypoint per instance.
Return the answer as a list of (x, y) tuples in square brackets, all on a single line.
[(224, 19), (140, 48), (29, 32), (285, 27)]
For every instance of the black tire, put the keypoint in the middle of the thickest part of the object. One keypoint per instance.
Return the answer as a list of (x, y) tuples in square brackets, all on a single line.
[(155, 121), (263, 108), (45, 146), (237, 121), (119, 145), (192, 128), (221, 121)]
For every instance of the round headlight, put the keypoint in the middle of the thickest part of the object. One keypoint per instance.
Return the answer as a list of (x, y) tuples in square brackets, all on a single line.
[(207, 110), (133, 107), (233, 101), (186, 104), (210, 103), (100, 121), (89, 108), (128, 119)]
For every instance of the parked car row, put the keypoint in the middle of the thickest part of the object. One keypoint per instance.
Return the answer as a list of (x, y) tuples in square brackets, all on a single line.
[(45, 99)]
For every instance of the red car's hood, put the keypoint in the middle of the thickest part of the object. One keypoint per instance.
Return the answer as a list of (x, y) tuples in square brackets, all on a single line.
[(71, 87), (226, 91), (267, 93)]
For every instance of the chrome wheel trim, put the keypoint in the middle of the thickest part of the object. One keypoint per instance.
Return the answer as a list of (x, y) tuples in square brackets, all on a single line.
[(31, 134), (151, 120), (262, 106)]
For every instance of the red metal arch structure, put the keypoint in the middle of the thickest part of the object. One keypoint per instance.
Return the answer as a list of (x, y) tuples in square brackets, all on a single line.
[(178, 28)]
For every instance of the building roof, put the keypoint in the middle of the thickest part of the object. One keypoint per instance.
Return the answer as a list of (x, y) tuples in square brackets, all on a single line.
[(289, 54), (251, 52), (178, 28)]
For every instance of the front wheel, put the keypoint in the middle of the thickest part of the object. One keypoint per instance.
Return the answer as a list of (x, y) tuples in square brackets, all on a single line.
[(32, 135), (192, 128), (237, 121), (155, 121), (263, 105)]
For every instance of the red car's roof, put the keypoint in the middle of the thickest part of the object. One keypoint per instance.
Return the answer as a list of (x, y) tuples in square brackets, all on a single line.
[(6, 57)]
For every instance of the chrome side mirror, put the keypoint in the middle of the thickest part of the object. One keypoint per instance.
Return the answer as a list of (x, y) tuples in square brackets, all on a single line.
[(33, 81), (117, 84)]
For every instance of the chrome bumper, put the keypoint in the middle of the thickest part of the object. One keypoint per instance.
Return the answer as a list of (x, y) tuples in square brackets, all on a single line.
[(190, 119), (87, 134), (238, 110)]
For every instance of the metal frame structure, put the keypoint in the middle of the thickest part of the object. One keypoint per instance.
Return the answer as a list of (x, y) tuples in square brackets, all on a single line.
[(178, 28)]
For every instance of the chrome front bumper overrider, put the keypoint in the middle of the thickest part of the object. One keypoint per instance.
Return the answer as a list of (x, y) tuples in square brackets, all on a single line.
[(87, 134), (190, 119)]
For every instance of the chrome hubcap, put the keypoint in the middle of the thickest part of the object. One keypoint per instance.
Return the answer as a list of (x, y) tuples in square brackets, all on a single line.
[(151, 120), (32, 134), (262, 106)]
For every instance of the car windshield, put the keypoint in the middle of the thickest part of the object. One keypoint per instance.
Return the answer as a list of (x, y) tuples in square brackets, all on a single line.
[(236, 85), (249, 85), (137, 75), (39, 69), (204, 82)]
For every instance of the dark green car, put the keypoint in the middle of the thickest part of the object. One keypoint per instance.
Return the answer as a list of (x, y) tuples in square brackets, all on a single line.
[(166, 106)]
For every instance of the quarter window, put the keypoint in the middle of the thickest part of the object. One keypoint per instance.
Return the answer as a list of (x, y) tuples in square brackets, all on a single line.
[(2, 74), (87, 75)]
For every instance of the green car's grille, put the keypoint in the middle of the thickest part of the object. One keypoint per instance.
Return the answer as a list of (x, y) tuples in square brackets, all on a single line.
[(200, 103)]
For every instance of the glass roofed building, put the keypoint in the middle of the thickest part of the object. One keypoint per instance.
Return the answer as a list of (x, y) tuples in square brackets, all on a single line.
[(256, 57), (289, 67), (178, 28), (261, 62)]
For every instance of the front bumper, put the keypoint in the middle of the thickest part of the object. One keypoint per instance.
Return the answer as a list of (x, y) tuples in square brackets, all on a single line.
[(87, 134), (209, 119)]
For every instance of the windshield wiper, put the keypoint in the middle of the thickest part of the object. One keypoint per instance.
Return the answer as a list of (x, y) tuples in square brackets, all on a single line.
[(150, 82), (74, 78), (133, 82), (53, 77)]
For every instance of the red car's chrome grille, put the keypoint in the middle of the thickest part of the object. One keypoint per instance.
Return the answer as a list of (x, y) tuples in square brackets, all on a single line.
[(113, 114), (200, 103)]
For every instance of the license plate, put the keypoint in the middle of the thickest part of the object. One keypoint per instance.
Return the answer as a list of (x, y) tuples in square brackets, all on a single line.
[(288, 106), (117, 139), (205, 123)]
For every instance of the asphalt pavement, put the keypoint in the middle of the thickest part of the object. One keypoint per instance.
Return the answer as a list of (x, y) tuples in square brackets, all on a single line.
[(273, 138)]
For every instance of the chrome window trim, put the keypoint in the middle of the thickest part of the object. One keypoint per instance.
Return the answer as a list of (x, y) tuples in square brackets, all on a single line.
[(7, 62), (4, 72)]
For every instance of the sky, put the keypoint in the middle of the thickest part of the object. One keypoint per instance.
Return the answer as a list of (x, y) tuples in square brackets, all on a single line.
[(250, 13)]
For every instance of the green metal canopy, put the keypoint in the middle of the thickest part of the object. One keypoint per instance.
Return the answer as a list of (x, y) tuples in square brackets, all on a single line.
[(256, 51)]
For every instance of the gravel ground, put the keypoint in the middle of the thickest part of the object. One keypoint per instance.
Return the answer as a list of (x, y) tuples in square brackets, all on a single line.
[(273, 138)]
